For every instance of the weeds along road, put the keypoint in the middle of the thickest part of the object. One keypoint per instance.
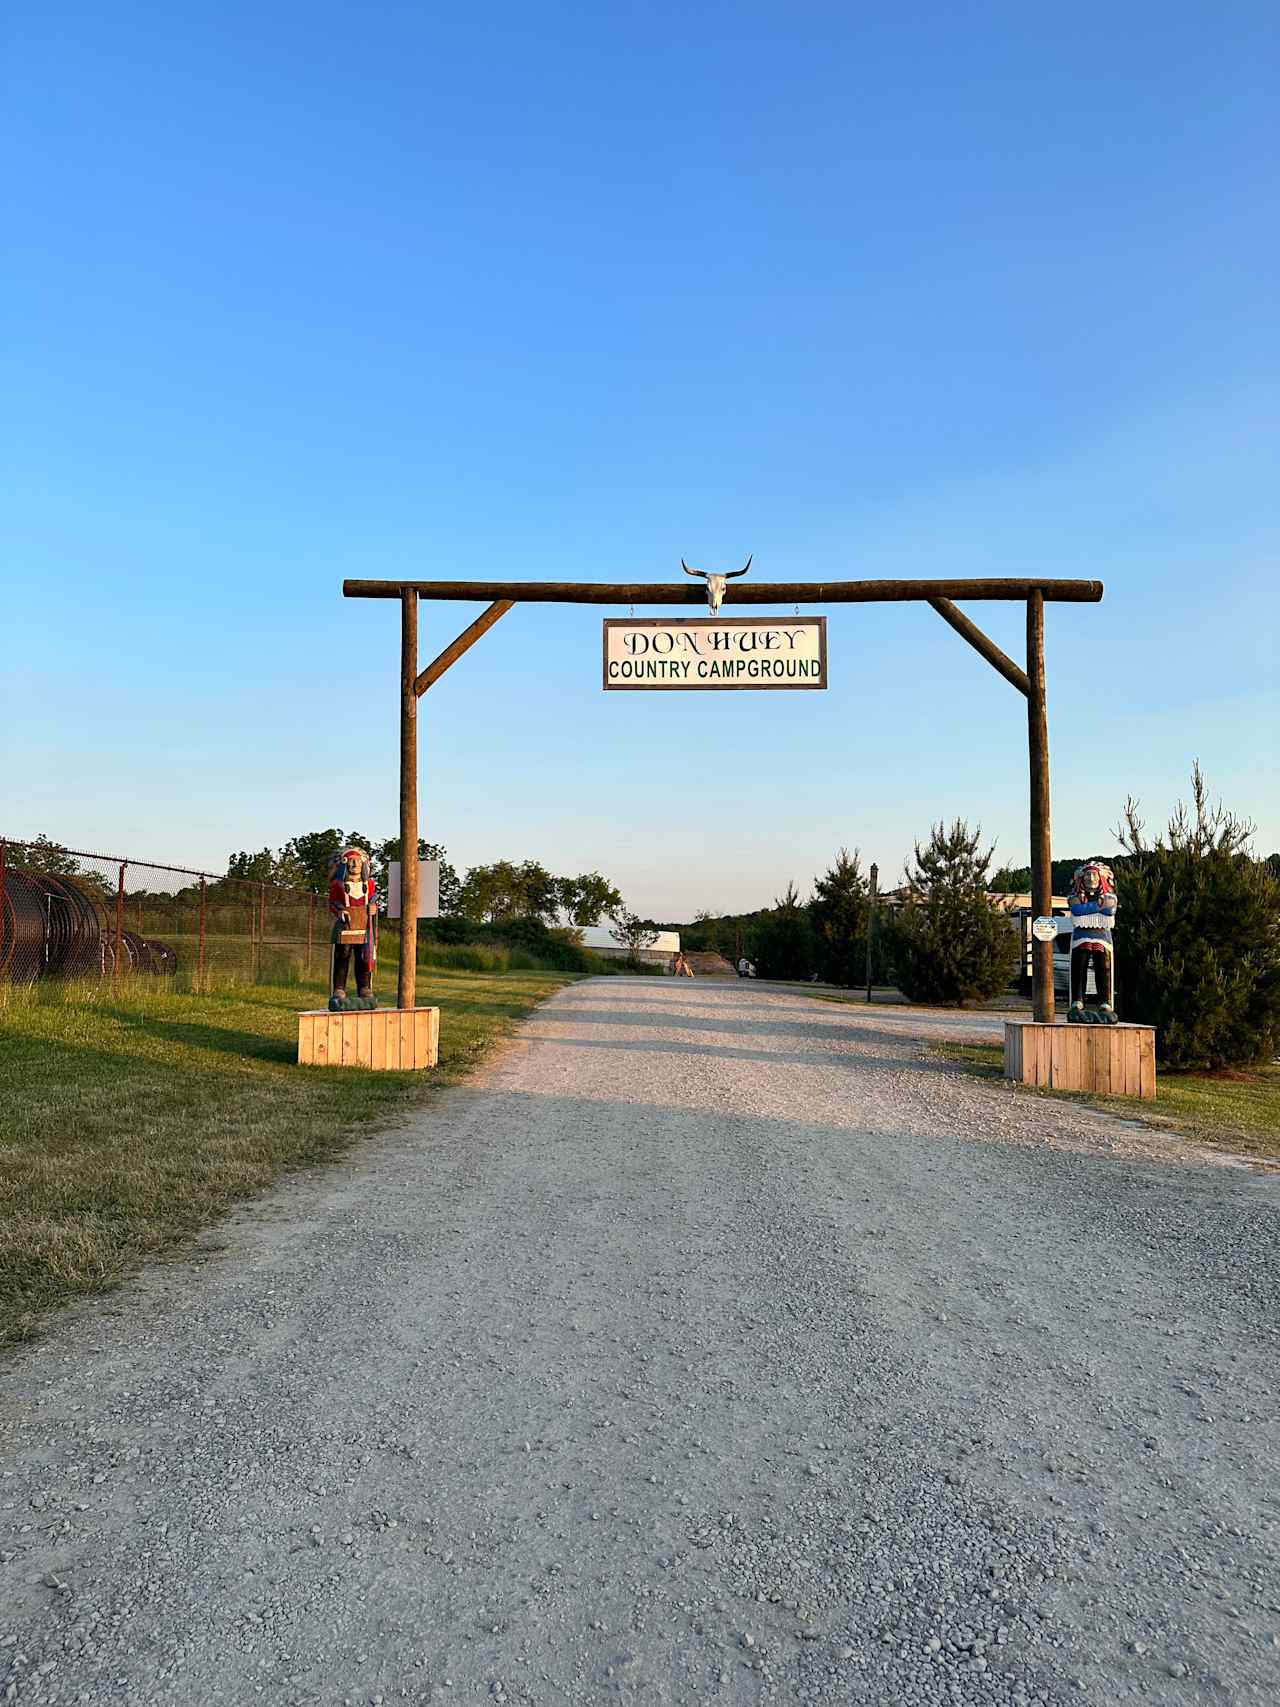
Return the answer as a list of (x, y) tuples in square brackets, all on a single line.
[(711, 1344)]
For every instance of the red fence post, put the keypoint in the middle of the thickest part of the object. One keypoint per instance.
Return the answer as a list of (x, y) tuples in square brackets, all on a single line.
[(200, 960), (119, 918)]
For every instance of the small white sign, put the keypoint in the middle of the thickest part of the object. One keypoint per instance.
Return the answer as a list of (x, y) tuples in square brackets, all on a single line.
[(428, 889), (1044, 930)]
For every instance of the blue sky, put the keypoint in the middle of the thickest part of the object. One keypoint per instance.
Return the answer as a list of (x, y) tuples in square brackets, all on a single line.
[(294, 293)]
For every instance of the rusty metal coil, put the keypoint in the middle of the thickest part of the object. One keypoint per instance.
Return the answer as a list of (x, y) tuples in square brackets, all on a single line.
[(48, 928), (138, 954), (22, 928), (73, 928)]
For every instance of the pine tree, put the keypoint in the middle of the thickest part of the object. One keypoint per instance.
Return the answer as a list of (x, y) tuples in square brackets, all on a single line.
[(839, 913), (948, 943), (1198, 937), (784, 942)]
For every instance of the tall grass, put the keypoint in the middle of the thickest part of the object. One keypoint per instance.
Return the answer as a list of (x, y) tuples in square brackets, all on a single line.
[(132, 1115)]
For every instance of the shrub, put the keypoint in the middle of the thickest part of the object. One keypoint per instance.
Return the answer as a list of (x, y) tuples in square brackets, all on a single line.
[(948, 944), (1198, 937), (555, 948)]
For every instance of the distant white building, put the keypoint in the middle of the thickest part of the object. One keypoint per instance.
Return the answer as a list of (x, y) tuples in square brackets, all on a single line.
[(600, 941)]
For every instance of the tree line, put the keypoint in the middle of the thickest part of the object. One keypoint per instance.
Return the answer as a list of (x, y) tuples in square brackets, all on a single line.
[(486, 894), (1197, 935), (944, 943)]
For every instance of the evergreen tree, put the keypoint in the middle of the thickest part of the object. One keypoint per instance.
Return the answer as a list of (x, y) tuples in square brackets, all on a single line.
[(949, 944), (784, 944), (1198, 937), (839, 913)]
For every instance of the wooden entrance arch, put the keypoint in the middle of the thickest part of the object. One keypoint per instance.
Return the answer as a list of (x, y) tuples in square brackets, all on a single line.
[(941, 595)]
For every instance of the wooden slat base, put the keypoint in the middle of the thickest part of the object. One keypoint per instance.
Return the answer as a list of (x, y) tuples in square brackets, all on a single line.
[(382, 1038), (1116, 1060)]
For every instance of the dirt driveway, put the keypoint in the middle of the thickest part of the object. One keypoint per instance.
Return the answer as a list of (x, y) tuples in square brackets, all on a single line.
[(711, 1344)]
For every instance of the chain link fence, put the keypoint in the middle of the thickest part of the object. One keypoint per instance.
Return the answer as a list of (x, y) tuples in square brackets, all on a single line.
[(69, 914)]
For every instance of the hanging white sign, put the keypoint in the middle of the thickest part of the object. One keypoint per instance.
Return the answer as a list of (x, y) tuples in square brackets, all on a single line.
[(715, 652), (428, 889)]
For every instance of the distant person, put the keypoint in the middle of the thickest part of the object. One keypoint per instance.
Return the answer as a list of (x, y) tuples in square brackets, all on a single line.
[(745, 968), (680, 966)]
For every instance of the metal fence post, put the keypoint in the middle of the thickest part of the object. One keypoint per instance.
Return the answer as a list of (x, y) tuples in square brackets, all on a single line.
[(119, 918), (262, 929), (200, 959), (311, 928)]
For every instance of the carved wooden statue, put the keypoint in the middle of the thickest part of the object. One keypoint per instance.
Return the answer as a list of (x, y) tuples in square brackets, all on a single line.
[(1093, 910), (352, 898)]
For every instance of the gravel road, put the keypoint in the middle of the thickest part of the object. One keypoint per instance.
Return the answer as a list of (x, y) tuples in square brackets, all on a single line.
[(710, 1344)]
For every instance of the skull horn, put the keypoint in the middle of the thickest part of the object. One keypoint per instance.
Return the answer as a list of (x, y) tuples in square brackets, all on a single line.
[(734, 573), (689, 571)]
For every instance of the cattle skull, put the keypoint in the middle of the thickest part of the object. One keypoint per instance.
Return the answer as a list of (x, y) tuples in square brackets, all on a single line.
[(716, 583)]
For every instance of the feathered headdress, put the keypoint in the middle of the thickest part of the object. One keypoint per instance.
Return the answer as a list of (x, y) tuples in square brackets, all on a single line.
[(338, 864), (1106, 878)]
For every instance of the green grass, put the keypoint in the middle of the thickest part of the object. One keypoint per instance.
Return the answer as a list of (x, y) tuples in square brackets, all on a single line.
[(1237, 1110), (134, 1119)]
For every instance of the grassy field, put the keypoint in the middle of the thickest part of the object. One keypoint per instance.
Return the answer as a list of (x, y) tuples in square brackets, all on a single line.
[(132, 1120), (1236, 1110)]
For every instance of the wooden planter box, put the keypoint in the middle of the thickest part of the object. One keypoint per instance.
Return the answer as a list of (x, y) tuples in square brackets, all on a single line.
[(1117, 1060), (395, 1038)]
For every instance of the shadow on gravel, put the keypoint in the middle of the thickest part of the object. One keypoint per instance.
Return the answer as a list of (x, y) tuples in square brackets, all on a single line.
[(778, 1057), (816, 1030)]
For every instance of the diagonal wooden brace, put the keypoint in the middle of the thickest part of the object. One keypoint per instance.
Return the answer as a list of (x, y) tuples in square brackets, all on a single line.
[(463, 643), (982, 643)]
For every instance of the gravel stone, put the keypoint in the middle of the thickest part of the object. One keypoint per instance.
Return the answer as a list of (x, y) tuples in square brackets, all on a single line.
[(959, 1394)]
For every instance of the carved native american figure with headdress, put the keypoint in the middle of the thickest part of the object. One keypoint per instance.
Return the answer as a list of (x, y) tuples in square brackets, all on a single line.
[(352, 902), (1093, 911)]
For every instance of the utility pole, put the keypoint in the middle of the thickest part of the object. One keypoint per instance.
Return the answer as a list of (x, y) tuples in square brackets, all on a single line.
[(406, 985), (871, 922)]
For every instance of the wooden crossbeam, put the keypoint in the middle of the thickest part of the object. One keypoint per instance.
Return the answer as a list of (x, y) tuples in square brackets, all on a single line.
[(437, 667), (738, 593), (982, 643)]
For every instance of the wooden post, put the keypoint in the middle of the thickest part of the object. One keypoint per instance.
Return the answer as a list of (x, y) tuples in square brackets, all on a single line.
[(119, 918), (406, 986), (200, 957), (1041, 840), (871, 922)]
